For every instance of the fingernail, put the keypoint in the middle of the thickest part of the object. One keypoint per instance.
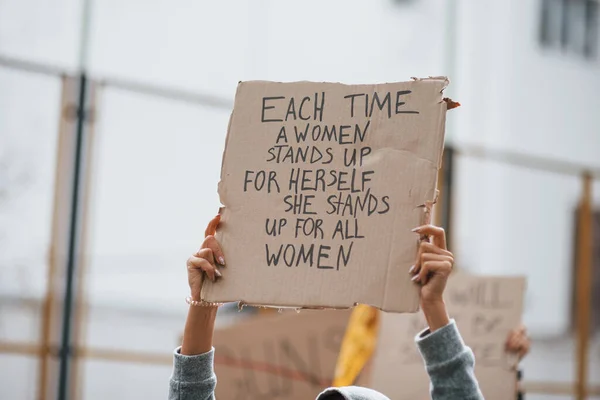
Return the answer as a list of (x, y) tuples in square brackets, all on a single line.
[(416, 229), (221, 260), (411, 269), (218, 273), (415, 278)]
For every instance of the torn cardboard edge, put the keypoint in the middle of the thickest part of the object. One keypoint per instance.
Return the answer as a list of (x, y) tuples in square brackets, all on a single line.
[(434, 78), (225, 192), (443, 78), (428, 212), (450, 104), (428, 204)]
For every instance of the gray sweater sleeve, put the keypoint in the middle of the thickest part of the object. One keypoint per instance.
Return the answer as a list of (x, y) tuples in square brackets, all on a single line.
[(448, 361), (449, 364), (193, 377)]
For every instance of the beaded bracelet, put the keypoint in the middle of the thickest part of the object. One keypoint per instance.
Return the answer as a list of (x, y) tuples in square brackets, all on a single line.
[(201, 303)]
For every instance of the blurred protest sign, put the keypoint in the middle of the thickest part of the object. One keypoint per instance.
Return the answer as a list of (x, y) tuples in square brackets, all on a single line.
[(485, 309), (322, 184), (285, 357)]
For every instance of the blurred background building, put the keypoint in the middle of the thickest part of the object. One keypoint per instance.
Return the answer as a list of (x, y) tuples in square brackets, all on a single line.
[(160, 79)]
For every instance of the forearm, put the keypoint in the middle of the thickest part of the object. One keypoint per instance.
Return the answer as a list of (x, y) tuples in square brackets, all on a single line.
[(193, 375), (449, 362), (199, 328), (435, 314)]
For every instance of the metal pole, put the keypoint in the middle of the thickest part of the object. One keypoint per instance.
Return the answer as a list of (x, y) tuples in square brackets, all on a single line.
[(202, 99), (80, 307), (65, 348), (445, 185), (65, 352), (584, 285), (529, 161), (31, 67)]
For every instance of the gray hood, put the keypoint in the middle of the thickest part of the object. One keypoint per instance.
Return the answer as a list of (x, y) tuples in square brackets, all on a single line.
[(351, 393)]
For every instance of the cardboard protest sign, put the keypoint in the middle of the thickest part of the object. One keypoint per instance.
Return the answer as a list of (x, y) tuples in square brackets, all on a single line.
[(289, 357), (321, 185), (486, 309)]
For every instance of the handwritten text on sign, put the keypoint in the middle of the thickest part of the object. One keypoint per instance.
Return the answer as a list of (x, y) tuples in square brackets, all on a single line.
[(327, 177), (345, 192)]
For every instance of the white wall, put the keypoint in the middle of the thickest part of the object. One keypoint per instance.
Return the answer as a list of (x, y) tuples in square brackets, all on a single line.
[(28, 142), (519, 98), (508, 219), (210, 46)]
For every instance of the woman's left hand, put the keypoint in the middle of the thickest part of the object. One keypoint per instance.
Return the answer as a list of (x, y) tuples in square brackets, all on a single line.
[(431, 271), (433, 265)]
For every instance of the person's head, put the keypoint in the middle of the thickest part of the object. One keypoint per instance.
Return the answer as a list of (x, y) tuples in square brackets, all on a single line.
[(351, 393)]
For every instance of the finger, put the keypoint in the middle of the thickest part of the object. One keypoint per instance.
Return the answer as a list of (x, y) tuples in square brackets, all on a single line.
[(417, 265), (431, 267), (435, 232), (523, 329), (205, 266), (435, 257), (428, 248), (432, 248), (511, 335), (523, 346), (211, 229), (430, 257), (517, 343), (210, 242), (207, 254), (511, 342), (517, 349), (434, 267)]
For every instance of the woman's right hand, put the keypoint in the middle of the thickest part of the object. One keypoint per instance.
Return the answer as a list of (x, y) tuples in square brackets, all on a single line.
[(205, 262), (431, 271), (518, 342)]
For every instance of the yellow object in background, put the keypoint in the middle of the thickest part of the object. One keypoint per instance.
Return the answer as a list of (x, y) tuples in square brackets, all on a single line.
[(358, 344)]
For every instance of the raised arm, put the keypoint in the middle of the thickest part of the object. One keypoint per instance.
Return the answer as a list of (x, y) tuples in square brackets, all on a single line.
[(448, 361), (193, 366)]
